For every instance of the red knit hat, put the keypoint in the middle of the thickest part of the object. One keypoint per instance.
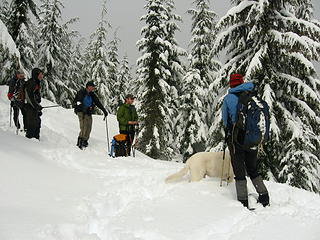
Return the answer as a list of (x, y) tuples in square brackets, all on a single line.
[(235, 80)]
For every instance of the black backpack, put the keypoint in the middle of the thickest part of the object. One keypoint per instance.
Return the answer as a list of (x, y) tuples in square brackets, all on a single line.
[(253, 121), (120, 149), (19, 91), (119, 146)]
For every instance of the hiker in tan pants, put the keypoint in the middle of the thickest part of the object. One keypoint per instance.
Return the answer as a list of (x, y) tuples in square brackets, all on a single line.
[(85, 121), (84, 104)]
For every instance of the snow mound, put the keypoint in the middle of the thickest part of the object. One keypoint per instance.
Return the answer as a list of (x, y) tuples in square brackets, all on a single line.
[(52, 190)]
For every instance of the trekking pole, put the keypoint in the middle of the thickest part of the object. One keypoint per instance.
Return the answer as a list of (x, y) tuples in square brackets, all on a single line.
[(134, 144), (106, 119), (53, 106), (223, 159), (224, 156)]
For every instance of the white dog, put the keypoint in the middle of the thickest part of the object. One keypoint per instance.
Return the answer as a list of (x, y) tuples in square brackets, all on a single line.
[(205, 163)]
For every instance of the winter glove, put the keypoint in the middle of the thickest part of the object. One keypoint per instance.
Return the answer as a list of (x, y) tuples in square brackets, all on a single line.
[(10, 96), (105, 113), (40, 113), (89, 110), (39, 108)]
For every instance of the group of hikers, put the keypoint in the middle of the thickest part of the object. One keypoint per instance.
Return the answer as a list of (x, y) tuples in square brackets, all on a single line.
[(26, 97), (84, 104)]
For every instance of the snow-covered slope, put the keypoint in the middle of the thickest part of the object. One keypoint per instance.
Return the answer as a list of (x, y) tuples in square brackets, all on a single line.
[(51, 190)]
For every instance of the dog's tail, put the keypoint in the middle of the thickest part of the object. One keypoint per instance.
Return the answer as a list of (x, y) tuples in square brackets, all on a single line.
[(177, 175)]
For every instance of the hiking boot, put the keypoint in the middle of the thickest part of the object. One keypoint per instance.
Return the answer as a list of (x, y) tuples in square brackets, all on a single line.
[(79, 143), (85, 143), (264, 199), (245, 203)]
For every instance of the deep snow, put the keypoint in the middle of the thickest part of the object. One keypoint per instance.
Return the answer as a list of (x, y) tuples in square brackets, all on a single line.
[(52, 190)]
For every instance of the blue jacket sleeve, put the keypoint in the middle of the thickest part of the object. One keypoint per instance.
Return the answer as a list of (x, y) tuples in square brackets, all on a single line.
[(229, 110), (225, 113)]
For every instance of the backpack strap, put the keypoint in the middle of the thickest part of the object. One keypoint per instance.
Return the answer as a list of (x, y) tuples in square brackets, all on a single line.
[(244, 98)]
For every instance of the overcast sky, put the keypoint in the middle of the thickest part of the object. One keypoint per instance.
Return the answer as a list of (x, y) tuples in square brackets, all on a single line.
[(125, 15)]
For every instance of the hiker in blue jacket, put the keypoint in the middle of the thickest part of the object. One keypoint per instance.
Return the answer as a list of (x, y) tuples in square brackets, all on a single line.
[(84, 104), (244, 161)]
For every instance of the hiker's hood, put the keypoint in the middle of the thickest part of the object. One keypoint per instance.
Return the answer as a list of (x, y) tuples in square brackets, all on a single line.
[(248, 86), (35, 73)]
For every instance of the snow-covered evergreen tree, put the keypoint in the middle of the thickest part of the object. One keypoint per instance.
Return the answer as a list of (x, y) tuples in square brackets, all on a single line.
[(191, 127), (156, 80), (174, 52), (193, 114), (76, 68), (113, 57), (26, 43), (176, 68), (97, 63), (4, 11), (9, 57), (124, 80), (21, 29), (19, 15), (54, 52), (71, 72), (274, 46)]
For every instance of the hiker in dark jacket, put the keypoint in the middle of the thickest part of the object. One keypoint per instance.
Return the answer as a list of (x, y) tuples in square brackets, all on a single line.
[(32, 106), (16, 96), (127, 117), (243, 160), (84, 104)]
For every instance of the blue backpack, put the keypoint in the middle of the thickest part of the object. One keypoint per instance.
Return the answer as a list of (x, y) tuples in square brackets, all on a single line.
[(253, 121)]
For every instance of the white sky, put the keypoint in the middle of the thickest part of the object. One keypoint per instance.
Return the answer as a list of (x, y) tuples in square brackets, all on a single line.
[(125, 15)]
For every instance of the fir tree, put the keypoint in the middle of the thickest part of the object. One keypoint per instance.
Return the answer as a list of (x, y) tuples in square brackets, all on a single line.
[(191, 126), (19, 15), (72, 71), (193, 118), (123, 81), (21, 27), (9, 57), (175, 52), (155, 81), (4, 11), (77, 66), (26, 43), (96, 60), (54, 52), (176, 68), (113, 70), (274, 46)]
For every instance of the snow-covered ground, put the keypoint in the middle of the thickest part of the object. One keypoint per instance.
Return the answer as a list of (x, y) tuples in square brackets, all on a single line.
[(52, 190)]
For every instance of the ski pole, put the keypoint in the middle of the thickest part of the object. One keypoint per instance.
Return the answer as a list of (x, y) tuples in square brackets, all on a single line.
[(224, 155), (130, 138), (106, 119), (134, 144), (223, 159), (53, 106)]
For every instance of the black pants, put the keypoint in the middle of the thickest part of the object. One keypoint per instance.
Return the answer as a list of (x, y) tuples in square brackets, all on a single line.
[(33, 122), (17, 107), (130, 138), (243, 161)]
